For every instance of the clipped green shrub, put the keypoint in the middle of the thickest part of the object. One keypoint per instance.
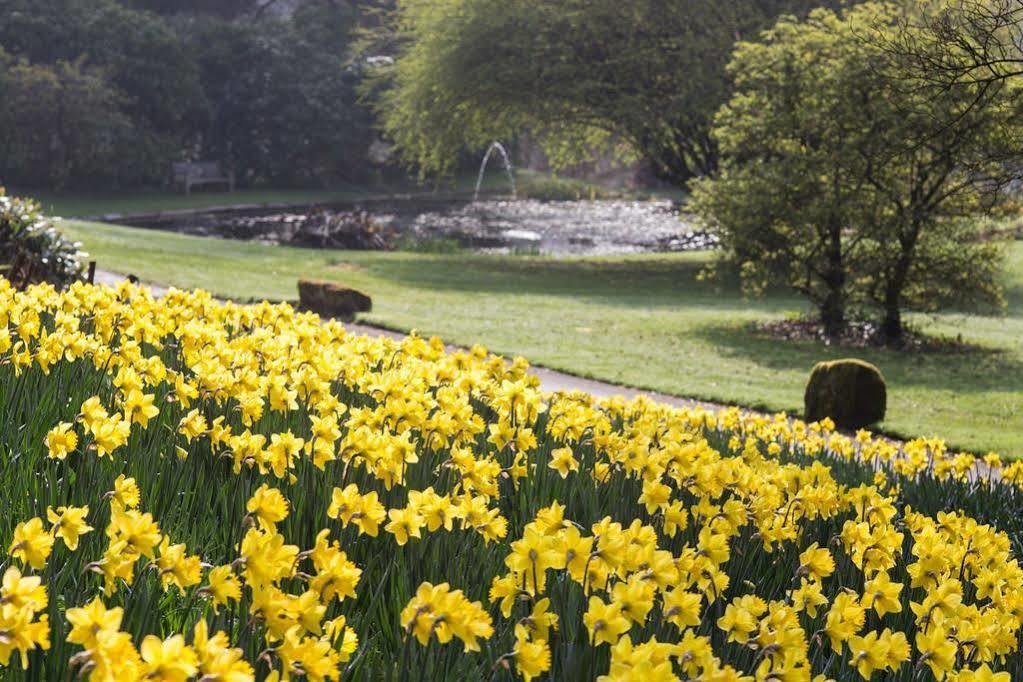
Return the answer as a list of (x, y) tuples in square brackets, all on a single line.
[(31, 248), (850, 392)]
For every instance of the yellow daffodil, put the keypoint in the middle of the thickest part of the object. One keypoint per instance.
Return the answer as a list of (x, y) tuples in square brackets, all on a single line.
[(69, 524), (32, 543), (562, 461), (61, 440)]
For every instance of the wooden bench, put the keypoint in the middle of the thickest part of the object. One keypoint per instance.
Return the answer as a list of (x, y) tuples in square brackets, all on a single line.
[(189, 174)]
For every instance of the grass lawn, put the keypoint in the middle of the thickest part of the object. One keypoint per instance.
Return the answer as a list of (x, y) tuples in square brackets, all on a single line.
[(94, 205), (530, 183), (644, 321)]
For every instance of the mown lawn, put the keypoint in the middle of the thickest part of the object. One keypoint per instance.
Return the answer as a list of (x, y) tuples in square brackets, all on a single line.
[(85, 205), (644, 321), (127, 203)]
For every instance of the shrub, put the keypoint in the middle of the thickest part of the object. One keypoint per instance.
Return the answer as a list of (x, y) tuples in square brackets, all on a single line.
[(31, 249), (533, 185), (849, 392)]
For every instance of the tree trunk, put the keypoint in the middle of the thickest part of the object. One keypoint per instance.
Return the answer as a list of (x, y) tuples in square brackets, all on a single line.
[(833, 314), (832, 310), (892, 331), (891, 326)]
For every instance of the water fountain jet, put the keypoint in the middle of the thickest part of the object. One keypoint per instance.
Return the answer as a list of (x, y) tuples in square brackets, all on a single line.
[(499, 148)]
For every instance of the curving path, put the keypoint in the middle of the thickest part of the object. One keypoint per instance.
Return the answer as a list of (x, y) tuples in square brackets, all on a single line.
[(550, 380)]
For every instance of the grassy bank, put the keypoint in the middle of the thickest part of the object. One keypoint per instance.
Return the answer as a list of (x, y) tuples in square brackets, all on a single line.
[(531, 184), (86, 205), (645, 321)]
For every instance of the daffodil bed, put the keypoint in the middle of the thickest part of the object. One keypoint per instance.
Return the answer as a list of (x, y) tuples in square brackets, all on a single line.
[(205, 491)]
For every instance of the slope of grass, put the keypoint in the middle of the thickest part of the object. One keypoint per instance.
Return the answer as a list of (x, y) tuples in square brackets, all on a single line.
[(530, 183), (645, 321), (94, 205)]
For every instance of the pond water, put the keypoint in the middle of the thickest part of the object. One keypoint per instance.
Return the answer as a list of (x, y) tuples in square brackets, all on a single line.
[(493, 226)]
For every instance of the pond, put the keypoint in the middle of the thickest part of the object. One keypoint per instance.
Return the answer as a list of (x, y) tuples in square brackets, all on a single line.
[(555, 228)]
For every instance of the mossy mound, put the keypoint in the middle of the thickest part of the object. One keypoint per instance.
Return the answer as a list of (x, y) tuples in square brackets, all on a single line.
[(330, 299), (850, 392)]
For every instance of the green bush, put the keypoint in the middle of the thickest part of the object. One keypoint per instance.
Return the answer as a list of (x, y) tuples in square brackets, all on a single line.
[(549, 187), (850, 392), (31, 249)]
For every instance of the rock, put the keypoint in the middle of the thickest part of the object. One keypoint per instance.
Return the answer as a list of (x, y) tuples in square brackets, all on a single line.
[(850, 392), (330, 299)]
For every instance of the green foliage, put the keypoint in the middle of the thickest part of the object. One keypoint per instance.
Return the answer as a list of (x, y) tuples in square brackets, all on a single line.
[(850, 392), (119, 92), (280, 102), (412, 244), (31, 249), (222, 8), (644, 75), (847, 180), (955, 266), (138, 63), (553, 187), (59, 122), (968, 40)]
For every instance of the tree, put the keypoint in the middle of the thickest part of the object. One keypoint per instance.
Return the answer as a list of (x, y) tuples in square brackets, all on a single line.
[(577, 73), (281, 102), (850, 183), (59, 122), (979, 41), (226, 9), (141, 57), (273, 96)]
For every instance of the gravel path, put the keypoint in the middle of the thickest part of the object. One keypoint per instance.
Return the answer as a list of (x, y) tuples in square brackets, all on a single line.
[(553, 380), (550, 380)]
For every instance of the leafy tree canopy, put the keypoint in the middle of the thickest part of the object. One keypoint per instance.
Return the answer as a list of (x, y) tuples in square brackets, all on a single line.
[(648, 74), (852, 182), (271, 96), (226, 9)]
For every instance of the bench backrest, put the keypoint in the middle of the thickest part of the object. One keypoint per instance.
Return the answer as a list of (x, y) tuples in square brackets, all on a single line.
[(196, 170)]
